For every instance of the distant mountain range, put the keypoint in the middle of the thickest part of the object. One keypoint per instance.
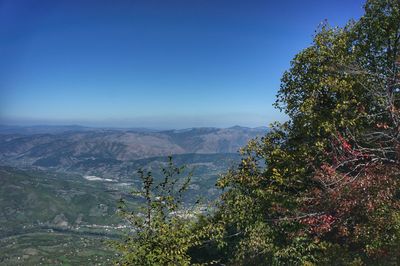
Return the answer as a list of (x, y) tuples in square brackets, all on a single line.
[(54, 129), (46, 129), (56, 175), (113, 152)]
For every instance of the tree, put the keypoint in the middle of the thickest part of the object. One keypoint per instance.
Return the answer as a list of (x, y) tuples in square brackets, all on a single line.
[(162, 231), (327, 179), (321, 188)]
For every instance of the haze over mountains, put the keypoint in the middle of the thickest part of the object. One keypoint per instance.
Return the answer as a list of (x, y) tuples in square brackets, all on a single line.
[(111, 151)]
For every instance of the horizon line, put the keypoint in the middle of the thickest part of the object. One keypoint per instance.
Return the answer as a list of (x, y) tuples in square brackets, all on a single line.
[(128, 127)]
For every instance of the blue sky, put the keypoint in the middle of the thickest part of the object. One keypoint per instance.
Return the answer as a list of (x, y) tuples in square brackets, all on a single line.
[(159, 64)]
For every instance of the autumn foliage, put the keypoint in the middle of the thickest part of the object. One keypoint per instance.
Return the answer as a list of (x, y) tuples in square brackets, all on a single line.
[(322, 188)]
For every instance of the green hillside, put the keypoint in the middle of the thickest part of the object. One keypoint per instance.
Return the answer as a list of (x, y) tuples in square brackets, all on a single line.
[(53, 218), (36, 198)]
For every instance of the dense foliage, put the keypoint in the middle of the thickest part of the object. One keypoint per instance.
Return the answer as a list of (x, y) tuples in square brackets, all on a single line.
[(323, 187)]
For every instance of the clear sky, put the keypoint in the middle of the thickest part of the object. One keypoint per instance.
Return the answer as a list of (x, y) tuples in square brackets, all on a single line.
[(148, 63)]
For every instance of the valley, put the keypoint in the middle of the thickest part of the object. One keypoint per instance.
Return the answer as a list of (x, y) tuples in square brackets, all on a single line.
[(59, 189)]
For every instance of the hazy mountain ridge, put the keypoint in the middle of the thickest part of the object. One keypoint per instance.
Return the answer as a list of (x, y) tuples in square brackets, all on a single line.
[(107, 148), (53, 129)]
